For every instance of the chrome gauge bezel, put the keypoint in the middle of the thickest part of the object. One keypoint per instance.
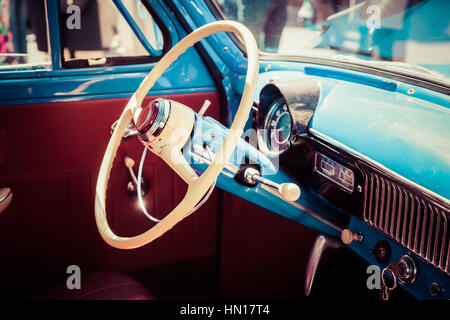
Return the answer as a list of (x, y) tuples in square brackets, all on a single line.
[(263, 132)]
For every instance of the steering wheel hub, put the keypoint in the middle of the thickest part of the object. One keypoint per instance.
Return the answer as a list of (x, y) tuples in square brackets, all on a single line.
[(151, 119)]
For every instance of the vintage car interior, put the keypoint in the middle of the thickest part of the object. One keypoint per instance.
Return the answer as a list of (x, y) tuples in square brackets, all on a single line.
[(224, 149)]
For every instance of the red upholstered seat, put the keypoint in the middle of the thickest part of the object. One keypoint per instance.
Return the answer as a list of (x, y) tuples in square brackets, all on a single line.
[(105, 285)]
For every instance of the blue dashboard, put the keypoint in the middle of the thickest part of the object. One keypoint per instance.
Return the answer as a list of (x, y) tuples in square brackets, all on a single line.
[(393, 136)]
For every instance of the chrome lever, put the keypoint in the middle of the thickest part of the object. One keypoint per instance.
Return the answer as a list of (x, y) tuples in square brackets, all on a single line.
[(6, 196), (321, 244), (129, 163), (288, 191), (204, 107), (132, 185)]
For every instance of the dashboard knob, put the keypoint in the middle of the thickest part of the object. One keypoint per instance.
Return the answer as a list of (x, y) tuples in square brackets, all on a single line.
[(289, 191), (347, 236)]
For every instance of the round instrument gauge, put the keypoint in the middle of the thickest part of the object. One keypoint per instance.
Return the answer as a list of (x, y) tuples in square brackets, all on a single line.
[(276, 132)]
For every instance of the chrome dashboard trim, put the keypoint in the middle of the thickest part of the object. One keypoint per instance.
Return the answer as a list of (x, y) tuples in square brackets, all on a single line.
[(438, 199), (263, 134)]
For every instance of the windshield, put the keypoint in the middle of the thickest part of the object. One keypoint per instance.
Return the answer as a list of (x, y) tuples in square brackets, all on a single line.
[(406, 36)]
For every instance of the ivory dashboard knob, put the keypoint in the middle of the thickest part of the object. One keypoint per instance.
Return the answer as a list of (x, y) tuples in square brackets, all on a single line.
[(347, 236), (129, 163), (289, 191)]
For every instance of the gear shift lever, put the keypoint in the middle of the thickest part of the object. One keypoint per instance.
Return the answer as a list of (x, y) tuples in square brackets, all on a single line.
[(289, 191)]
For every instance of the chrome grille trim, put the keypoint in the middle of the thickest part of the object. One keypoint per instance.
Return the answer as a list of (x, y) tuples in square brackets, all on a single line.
[(430, 229), (444, 236), (424, 225), (408, 218), (448, 259), (418, 220)]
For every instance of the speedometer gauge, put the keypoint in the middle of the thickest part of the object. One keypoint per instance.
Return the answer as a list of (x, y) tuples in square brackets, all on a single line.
[(285, 110), (276, 133)]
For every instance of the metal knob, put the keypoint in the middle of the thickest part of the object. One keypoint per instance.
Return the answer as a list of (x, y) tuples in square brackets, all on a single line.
[(347, 236)]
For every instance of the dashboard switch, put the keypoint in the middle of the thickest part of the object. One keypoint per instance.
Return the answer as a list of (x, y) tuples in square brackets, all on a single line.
[(382, 251)]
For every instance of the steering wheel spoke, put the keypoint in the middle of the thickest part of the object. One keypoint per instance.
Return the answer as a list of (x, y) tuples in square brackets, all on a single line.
[(175, 159)]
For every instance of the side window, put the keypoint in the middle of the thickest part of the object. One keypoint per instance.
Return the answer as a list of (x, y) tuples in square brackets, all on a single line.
[(145, 22), (95, 32), (23, 35)]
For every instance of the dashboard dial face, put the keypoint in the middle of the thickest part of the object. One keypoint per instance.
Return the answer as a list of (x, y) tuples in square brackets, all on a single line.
[(278, 127)]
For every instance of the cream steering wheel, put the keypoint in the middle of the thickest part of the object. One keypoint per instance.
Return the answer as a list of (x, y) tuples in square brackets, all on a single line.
[(169, 149)]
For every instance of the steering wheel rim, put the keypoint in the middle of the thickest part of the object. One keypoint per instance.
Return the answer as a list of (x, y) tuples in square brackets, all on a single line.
[(197, 186)]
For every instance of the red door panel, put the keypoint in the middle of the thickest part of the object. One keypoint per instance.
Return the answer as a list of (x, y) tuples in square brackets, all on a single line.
[(50, 155)]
